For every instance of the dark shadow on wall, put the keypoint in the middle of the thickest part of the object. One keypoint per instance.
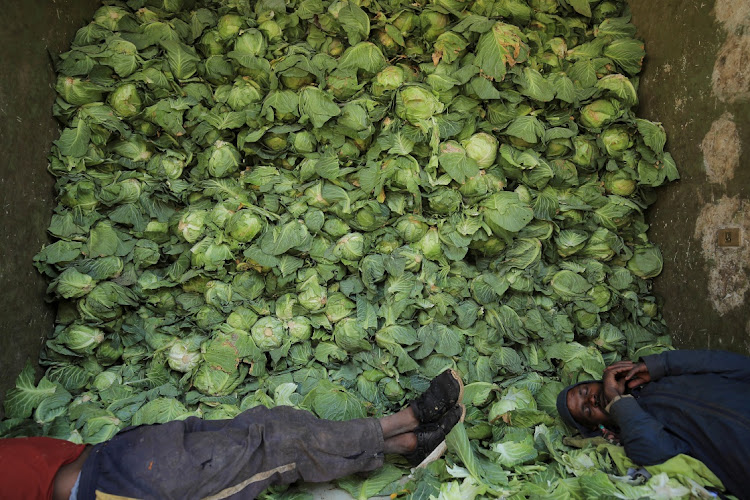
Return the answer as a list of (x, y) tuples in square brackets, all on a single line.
[(32, 31)]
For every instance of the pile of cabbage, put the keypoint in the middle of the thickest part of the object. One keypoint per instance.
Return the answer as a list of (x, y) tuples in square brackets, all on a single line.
[(325, 203)]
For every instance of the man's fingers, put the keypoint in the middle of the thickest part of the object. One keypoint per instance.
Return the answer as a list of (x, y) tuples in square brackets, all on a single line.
[(637, 369), (623, 362), (616, 370), (635, 383), (618, 366)]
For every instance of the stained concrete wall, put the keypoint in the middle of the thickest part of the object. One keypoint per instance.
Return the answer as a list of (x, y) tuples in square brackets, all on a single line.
[(30, 31), (696, 81)]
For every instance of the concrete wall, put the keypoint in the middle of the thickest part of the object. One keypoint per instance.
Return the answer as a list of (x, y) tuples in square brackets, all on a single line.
[(29, 32), (696, 81)]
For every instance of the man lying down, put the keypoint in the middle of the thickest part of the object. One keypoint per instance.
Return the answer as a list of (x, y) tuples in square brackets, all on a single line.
[(695, 403)]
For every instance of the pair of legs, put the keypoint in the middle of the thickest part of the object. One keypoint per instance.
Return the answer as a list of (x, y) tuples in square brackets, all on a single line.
[(218, 459), (418, 430), (398, 432)]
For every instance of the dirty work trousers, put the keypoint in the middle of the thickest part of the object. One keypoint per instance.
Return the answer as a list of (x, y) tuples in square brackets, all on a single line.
[(233, 459)]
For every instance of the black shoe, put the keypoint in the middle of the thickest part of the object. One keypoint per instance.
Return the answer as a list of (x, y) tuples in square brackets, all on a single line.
[(451, 418), (431, 437), (445, 391)]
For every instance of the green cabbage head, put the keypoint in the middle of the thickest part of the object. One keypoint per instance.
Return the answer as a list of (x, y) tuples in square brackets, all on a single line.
[(73, 284), (215, 382), (415, 103), (389, 78), (268, 333), (224, 159), (229, 25), (598, 114), (482, 148), (646, 262), (620, 183), (81, 338), (182, 358), (616, 139), (242, 318), (299, 328), (350, 336), (191, 225), (125, 100), (244, 225), (350, 247)]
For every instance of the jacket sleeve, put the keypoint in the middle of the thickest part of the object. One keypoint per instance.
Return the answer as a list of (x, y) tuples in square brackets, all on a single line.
[(727, 364), (646, 441)]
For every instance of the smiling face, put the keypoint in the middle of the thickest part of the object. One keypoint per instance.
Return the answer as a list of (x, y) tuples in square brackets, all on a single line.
[(586, 403)]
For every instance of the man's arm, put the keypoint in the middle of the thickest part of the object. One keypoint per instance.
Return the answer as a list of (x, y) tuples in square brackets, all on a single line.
[(645, 440), (727, 364)]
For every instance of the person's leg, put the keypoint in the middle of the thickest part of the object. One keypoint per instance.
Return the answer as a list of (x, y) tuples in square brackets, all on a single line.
[(398, 423), (399, 429), (400, 444), (217, 459), (259, 448)]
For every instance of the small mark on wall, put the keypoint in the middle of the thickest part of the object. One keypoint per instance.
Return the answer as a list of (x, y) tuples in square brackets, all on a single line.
[(729, 237)]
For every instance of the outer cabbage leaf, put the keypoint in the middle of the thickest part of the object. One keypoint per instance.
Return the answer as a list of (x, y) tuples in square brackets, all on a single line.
[(499, 49)]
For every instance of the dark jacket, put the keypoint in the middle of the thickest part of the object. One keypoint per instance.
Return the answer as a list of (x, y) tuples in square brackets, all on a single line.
[(697, 403)]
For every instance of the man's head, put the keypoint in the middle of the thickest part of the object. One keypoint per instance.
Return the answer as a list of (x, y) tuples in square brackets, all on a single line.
[(581, 406)]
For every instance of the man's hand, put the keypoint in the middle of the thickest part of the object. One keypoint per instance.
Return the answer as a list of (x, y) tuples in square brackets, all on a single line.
[(609, 435), (638, 375), (613, 380), (620, 364)]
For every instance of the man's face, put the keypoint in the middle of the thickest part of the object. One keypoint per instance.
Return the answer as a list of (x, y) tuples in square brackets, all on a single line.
[(586, 404)]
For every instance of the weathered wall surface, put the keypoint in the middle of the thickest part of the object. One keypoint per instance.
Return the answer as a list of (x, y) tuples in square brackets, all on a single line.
[(696, 81), (31, 30)]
